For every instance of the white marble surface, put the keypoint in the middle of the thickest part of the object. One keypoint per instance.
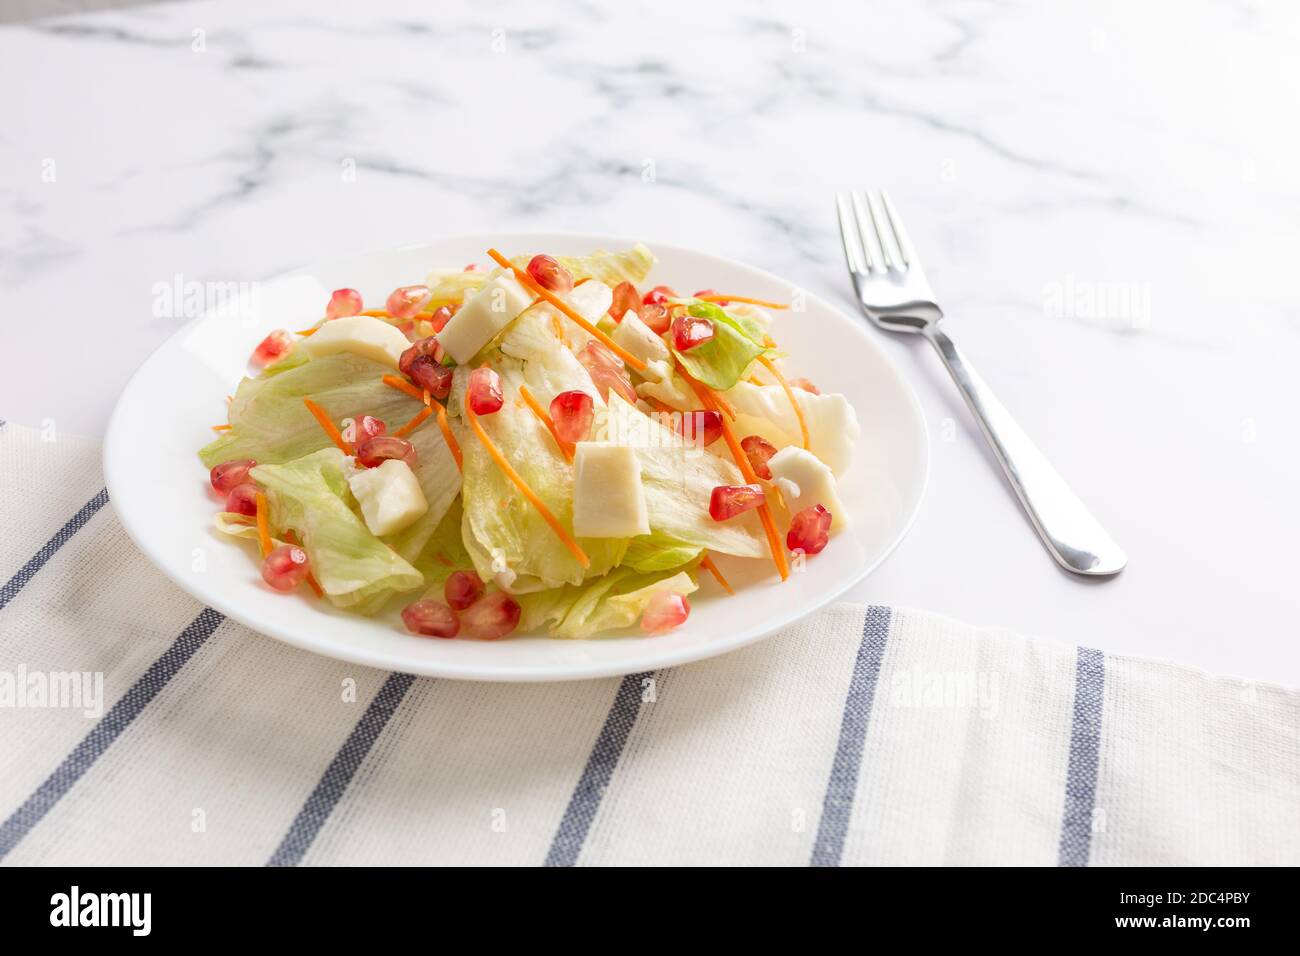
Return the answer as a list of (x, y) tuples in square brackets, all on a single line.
[(1138, 148)]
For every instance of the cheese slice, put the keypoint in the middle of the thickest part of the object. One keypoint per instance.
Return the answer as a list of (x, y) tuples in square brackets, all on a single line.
[(639, 339), (363, 334), (389, 495), (483, 316), (805, 480), (608, 498)]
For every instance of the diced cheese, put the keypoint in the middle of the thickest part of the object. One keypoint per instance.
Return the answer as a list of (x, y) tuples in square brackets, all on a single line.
[(832, 424), (389, 495), (483, 316), (637, 338), (804, 480), (660, 383), (608, 498), (363, 334)]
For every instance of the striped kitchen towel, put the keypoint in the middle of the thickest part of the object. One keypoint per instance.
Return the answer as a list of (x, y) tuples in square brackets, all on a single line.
[(138, 727)]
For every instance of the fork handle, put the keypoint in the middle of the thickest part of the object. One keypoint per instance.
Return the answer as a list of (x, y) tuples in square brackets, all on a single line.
[(1073, 536)]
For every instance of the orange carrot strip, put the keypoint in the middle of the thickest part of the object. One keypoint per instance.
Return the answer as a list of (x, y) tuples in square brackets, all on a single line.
[(329, 426), (707, 563), (789, 393), (740, 298), (527, 282), (377, 313), (444, 560), (452, 444), (574, 548), (709, 397), (306, 332), (311, 578), (263, 532), (414, 423), (545, 419), (222, 428), (402, 385)]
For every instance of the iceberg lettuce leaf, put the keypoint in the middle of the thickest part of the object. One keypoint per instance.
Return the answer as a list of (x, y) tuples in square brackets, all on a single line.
[(608, 603)]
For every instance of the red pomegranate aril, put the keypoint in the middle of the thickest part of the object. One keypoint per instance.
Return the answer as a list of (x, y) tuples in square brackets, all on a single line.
[(656, 317), (594, 355), (658, 295), (472, 267), (462, 589), (436, 377), (549, 274), (665, 611), (727, 501), (626, 299), (571, 413), (375, 451), (343, 302), (431, 619), (242, 499), (704, 427), (809, 530), (491, 617), (285, 567), (406, 302), (363, 429), (758, 450), (690, 331), (806, 385), (606, 379), (228, 474), (485, 396), (441, 316), (272, 348)]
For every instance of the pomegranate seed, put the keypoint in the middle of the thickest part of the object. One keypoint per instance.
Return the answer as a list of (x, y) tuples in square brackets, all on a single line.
[(690, 331), (431, 619), (625, 298), (806, 385), (421, 363), (242, 499), (406, 302), (665, 611), (491, 617), (809, 530), (594, 355), (727, 501), (472, 267), (375, 451), (658, 294), (758, 450), (485, 396), (703, 292), (605, 379), (462, 589), (228, 474), (285, 567), (549, 274), (704, 427), (272, 348), (572, 413), (360, 430), (343, 302), (441, 316), (656, 317)]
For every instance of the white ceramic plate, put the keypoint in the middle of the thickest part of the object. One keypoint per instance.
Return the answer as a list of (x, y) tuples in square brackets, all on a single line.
[(161, 493)]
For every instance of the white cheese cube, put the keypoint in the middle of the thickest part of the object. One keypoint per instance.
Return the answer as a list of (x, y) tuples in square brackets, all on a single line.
[(363, 334), (389, 495), (483, 316), (608, 498), (637, 338), (804, 480)]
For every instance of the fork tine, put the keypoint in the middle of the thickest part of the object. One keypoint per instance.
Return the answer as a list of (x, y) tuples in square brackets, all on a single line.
[(849, 235), (900, 234), (886, 234), (867, 230)]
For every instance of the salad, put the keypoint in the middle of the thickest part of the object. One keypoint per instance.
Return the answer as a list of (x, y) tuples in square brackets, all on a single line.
[(535, 445)]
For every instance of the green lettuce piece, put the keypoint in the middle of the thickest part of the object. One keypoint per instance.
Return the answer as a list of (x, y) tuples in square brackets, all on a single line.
[(721, 361), (444, 553), (659, 552), (610, 268), (453, 285), (608, 603), (355, 569)]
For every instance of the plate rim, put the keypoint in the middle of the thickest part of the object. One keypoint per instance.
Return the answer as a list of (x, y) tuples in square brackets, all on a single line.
[(386, 660)]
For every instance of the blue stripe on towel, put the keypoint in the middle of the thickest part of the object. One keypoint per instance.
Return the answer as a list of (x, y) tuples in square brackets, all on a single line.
[(329, 790), (28, 570), (572, 832), (837, 806), (107, 729), (1085, 749)]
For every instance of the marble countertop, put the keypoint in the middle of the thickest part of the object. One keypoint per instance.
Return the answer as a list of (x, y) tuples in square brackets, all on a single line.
[(1104, 194)]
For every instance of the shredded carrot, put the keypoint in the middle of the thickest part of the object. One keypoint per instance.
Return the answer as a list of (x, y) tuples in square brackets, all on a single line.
[(377, 313), (402, 385), (659, 406), (311, 578), (414, 423), (557, 327), (222, 428), (428, 399), (527, 281), (789, 393), (707, 564), (443, 559), (306, 332), (452, 444), (740, 298), (713, 399), (263, 532), (574, 548), (329, 426), (545, 419)]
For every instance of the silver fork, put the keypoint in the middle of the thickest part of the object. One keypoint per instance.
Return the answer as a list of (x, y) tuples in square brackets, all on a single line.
[(895, 295)]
